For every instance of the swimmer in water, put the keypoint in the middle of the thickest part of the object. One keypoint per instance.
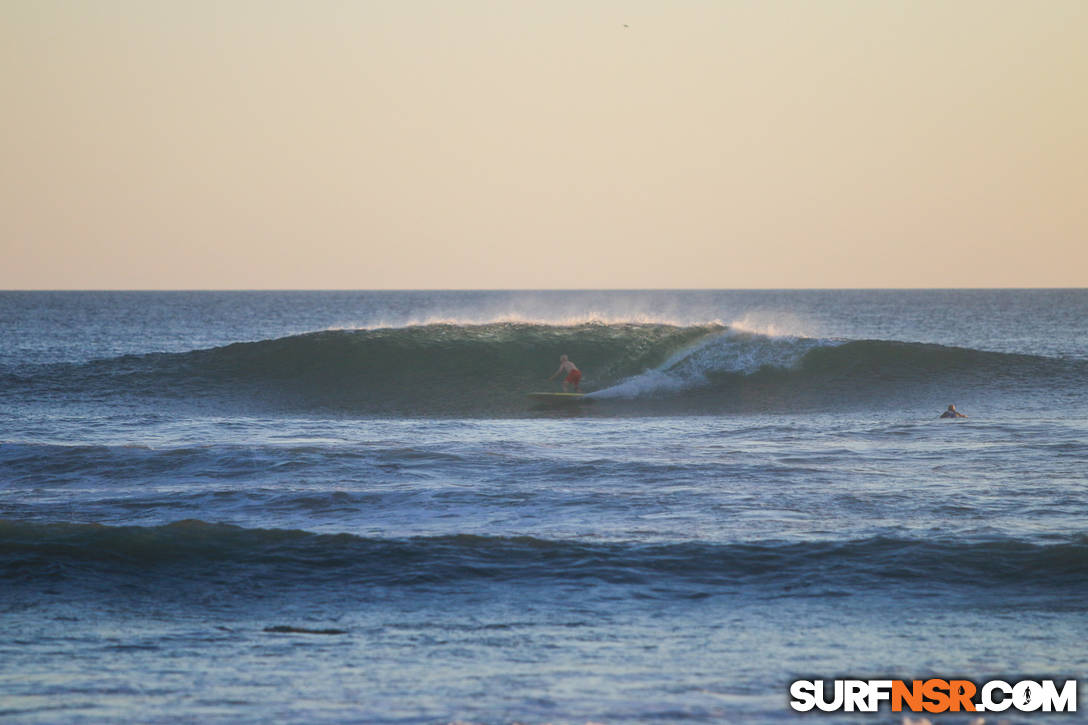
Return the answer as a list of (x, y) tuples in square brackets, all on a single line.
[(952, 413), (574, 375)]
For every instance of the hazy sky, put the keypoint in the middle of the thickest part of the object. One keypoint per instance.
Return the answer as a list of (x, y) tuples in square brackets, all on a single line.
[(561, 143)]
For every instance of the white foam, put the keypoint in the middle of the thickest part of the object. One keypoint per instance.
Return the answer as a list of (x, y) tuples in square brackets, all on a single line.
[(773, 324), (735, 350), (517, 318)]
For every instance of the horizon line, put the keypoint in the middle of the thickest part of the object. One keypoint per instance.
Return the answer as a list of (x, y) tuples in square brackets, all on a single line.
[(539, 289)]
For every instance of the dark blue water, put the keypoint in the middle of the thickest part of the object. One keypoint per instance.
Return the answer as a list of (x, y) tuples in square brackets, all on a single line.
[(342, 507)]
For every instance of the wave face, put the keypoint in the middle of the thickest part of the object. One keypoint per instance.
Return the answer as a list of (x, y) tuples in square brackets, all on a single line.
[(197, 550), (447, 369)]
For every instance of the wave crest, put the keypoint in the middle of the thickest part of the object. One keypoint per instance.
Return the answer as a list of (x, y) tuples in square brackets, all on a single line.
[(486, 369)]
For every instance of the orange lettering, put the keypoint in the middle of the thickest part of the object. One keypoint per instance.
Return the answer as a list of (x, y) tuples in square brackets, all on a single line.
[(961, 692), (937, 692), (912, 695)]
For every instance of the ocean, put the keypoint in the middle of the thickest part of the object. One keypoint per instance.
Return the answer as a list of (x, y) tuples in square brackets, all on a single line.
[(326, 507)]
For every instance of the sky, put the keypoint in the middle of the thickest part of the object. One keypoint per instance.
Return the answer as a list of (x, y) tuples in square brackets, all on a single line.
[(426, 144)]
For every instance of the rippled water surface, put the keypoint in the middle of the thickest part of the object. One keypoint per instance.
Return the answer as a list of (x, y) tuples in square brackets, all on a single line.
[(342, 507)]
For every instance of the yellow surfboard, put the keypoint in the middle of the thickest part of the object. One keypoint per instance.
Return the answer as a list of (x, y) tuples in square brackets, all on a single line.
[(560, 398)]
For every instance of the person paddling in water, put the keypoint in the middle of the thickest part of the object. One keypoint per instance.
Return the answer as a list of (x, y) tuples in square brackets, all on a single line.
[(574, 375), (952, 413)]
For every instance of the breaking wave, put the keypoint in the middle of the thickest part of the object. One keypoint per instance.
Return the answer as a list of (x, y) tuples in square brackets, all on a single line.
[(486, 369)]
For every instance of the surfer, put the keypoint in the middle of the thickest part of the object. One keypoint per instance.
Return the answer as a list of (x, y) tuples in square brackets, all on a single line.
[(952, 413), (574, 375)]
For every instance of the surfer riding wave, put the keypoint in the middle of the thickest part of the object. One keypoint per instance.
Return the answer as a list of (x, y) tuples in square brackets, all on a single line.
[(574, 375)]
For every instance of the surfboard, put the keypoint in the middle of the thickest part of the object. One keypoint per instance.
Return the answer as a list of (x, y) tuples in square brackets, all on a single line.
[(560, 398)]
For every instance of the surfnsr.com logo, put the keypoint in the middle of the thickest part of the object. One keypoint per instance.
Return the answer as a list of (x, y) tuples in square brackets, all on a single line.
[(933, 696)]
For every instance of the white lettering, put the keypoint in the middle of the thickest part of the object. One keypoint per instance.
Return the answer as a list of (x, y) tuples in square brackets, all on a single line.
[(1027, 696), (1065, 701), (879, 690), (996, 705), (821, 699), (803, 693), (855, 695)]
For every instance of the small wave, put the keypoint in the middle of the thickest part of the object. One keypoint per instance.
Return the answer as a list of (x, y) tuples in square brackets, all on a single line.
[(197, 549)]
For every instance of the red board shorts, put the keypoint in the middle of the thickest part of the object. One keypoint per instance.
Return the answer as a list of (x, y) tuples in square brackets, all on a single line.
[(574, 376)]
